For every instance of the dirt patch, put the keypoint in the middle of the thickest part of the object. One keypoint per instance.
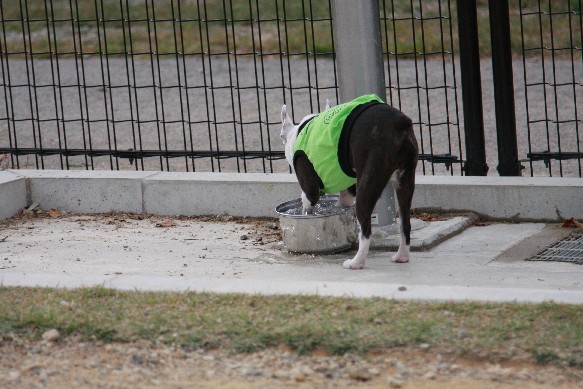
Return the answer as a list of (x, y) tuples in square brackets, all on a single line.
[(73, 363)]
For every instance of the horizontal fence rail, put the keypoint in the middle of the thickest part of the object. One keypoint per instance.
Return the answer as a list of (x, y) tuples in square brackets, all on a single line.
[(197, 85)]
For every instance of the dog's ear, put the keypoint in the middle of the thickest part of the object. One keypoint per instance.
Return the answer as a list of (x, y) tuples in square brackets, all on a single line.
[(286, 123), (285, 119), (327, 104)]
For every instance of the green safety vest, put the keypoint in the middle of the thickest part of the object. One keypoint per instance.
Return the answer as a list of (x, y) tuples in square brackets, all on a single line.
[(324, 140)]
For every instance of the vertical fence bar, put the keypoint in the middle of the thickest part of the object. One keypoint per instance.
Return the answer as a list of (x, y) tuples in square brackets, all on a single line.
[(426, 84), (160, 87), (264, 87), (417, 87), (573, 78), (508, 164), (78, 56), (190, 145), (357, 39), (31, 85), (525, 83), (56, 85), (471, 88), (230, 53), (256, 71), (555, 83), (7, 85), (129, 55), (205, 85)]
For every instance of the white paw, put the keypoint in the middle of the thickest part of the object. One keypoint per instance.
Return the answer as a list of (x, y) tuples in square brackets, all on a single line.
[(400, 258), (353, 264), (306, 205)]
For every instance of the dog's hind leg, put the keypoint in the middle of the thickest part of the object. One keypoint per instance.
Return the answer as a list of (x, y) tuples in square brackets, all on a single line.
[(369, 189), (404, 187)]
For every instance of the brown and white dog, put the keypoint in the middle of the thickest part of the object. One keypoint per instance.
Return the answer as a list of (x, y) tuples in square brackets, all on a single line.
[(381, 146)]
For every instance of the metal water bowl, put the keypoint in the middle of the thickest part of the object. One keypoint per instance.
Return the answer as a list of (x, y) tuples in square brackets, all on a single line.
[(329, 229)]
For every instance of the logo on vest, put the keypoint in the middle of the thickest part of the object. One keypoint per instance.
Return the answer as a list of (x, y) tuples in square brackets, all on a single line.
[(329, 114)]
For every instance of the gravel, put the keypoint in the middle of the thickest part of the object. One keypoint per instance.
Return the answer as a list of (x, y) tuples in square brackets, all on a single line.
[(164, 112), (75, 363)]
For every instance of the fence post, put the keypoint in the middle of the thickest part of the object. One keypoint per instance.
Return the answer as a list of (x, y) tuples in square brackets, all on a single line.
[(508, 164), (359, 58), (471, 88)]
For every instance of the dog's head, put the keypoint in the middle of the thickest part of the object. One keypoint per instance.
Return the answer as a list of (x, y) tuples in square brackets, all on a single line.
[(289, 132)]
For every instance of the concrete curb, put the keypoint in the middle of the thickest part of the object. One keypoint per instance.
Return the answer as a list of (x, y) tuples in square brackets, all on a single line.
[(403, 291), (13, 194), (504, 198), (257, 194)]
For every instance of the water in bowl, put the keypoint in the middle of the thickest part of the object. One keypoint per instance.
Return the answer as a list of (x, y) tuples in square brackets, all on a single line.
[(322, 208)]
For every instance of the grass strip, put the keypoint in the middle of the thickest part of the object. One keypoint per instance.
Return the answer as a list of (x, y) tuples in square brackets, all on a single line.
[(50, 26), (545, 333)]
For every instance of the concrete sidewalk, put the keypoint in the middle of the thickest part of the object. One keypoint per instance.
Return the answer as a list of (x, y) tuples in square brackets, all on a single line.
[(209, 255), (483, 263)]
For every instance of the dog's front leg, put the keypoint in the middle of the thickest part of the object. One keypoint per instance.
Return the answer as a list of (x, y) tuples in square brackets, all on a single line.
[(307, 207), (309, 183)]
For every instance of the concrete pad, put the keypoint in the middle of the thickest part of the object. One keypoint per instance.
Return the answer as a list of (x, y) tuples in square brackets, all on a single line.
[(249, 194), (426, 236), (198, 255), (13, 194), (86, 191)]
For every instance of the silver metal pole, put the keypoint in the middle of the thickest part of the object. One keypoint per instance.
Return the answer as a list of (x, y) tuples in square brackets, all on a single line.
[(359, 59)]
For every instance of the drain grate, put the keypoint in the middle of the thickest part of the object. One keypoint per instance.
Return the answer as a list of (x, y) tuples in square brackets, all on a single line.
[(568, 249)]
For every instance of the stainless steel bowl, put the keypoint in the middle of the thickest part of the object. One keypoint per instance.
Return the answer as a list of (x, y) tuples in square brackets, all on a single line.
[(330, 229)]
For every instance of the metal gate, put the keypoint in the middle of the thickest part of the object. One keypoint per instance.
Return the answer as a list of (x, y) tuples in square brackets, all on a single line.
[(197, 85)]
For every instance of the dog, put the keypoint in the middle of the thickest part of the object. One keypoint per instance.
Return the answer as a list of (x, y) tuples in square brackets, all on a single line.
[(369, 144)]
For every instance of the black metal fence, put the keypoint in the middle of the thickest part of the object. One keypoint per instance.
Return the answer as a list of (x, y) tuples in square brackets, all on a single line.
[(197, 85), (552, 86)]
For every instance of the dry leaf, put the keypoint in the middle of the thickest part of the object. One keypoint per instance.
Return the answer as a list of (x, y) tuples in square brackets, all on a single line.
[(428, 218), (54, 213), (572, 223), (166, 223)]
